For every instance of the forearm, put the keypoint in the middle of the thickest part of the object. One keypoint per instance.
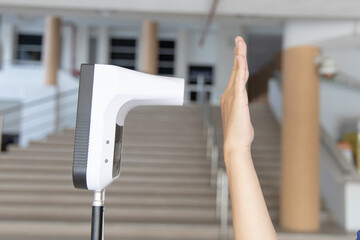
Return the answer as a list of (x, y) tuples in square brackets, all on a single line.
[(251, 219)]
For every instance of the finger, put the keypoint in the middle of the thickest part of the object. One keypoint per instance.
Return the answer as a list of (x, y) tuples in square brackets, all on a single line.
[(240, 50), (236, 50), (246, 70), (242, 47), (240, 78), (243, 51), (234, 69)]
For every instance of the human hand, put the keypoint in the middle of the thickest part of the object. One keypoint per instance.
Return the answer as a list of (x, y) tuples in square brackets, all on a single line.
[(237, 128)]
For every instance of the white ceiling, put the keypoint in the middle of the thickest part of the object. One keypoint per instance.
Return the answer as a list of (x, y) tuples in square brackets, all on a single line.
[(228, 10)]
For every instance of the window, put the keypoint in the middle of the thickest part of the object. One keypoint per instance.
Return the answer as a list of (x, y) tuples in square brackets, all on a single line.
[(29, 48), (122, 52), (200, 83), (166, 57)]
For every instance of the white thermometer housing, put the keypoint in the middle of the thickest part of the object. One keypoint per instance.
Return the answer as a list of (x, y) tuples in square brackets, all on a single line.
[(106, 94)]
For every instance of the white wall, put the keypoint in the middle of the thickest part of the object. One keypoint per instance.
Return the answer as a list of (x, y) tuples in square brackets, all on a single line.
[(352, 209), (337, 104), (298, 33), (201, 55), (347, 58)]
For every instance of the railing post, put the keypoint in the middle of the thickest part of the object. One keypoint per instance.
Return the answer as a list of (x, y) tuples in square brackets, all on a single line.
[(57, 110), (218, 195), (224, 206), (212, 150), (209, 142), (214, 164), (1, 130)]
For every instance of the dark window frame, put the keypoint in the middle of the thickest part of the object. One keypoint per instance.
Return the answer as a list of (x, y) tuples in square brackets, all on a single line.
[(29, 48), (166, 57), (123, 52)]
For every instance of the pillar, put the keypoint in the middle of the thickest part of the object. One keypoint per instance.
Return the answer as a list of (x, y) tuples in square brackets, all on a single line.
[(52, 49), (7, 42), (300, 195), (149, 47), (103, 45), (180, 53), (82, 45)]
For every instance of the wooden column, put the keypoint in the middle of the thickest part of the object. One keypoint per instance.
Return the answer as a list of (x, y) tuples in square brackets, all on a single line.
[(300, 197), (149, 48), (51, 51)]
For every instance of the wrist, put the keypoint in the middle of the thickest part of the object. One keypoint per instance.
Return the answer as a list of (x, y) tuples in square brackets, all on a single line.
[(236, 152), (236, 148)]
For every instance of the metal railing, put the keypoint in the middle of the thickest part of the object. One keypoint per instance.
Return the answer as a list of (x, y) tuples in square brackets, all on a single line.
[(40, 114), (218, 177), (222, 202), (335, 155), (212, 148)]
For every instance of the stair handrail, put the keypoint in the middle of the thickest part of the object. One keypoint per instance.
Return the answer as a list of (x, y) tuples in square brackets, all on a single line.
[(347, 81), (335, 154), (19, 108), (212, 148), (218, 176), (39, 101)]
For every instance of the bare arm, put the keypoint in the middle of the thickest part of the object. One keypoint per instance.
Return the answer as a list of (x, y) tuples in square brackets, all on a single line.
[(251, 219)]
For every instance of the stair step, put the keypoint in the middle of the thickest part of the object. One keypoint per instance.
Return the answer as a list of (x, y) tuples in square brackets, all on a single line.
[(52, 177), (63, 169), (126, 149), (139, 141), (115, 230), (123, 189), (138, 161), (112, 213), (69, 154), (78, 198), (175, 131), (143, 138), (117, 188), (152, 144)]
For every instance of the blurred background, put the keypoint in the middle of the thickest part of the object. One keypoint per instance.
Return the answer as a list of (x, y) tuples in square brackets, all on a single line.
[(304, 90)]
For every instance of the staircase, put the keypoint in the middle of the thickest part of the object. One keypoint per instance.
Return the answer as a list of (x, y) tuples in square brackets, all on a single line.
[(163, 192)]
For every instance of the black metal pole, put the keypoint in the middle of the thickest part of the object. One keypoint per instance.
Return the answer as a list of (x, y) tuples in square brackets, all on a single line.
[(97, 216)]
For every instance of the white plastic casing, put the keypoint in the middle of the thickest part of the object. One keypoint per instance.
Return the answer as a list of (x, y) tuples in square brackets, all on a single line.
[(116, 91)]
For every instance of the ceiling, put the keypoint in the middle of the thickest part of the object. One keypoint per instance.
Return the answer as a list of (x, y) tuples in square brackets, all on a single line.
[(228, 10)]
